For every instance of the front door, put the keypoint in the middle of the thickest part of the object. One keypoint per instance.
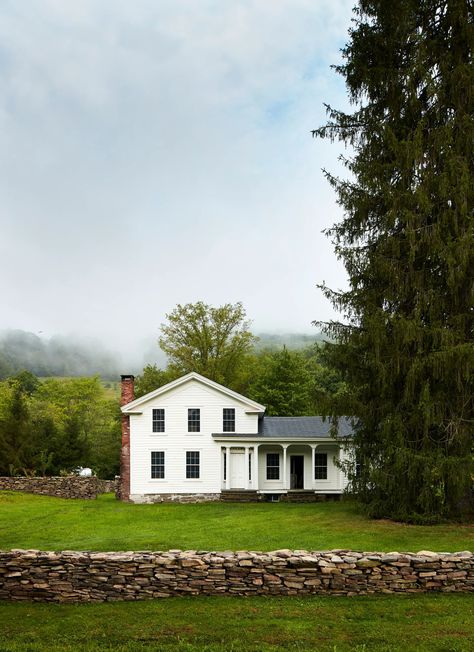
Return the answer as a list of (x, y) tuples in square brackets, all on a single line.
[(237, 470), (297, 472)]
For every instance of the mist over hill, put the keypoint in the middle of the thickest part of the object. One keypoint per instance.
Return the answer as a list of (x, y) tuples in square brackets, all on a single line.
[(290, 340), (57, 356), (63, 355)]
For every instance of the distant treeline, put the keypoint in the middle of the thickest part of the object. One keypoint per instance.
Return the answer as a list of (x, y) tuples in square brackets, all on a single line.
[(61, 356), (290, 340), (57, 356)]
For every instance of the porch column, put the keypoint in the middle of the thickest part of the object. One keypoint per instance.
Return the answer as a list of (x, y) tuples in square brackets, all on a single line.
[(285, 487), (313, 453), (227, 467), (255, 468), (246, 464)]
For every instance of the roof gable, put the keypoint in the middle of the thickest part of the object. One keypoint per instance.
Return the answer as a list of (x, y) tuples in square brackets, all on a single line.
[(134, 407)]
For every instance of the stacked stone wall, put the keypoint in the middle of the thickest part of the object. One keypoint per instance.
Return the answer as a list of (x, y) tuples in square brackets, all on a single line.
[(87, 576), (62, 487)]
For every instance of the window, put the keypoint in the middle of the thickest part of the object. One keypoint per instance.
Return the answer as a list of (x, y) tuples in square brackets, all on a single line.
[(194, 420), (192, 464), (273, 466), (320, 466), (228, 419), (250, 466), (158, 420), (225, 465), (157, 465)]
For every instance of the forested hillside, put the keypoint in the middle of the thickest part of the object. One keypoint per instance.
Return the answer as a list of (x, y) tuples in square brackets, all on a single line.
[(57, 356)]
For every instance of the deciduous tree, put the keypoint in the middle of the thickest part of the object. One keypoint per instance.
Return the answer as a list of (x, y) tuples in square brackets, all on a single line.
[(211, 341)]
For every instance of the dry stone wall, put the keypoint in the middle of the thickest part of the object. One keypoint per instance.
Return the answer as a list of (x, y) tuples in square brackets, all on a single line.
[(62, 487), (88, 576)]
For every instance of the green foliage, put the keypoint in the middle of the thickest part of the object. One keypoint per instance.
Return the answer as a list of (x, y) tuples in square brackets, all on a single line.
[(214, 342), (152, 377), (57, 425), (407, 242), (283, 384)]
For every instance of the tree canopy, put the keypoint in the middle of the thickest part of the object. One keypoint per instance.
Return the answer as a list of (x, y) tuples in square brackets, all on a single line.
[(57, 425), (407, 242), (214, 342)]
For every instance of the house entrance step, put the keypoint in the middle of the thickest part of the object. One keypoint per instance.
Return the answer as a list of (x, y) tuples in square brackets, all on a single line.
[(240, 496), (307, 496)]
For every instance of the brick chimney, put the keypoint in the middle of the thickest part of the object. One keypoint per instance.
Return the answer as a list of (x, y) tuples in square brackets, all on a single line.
[(127, 395)]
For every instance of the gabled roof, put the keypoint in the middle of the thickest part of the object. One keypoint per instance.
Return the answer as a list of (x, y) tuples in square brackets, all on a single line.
[(296, 427), (134, 406)]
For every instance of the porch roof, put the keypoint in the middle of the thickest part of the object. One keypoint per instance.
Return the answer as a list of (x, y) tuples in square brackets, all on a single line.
[(295, 427)]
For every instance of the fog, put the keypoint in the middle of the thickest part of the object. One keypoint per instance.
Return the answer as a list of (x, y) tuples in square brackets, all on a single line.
[(160, 153)]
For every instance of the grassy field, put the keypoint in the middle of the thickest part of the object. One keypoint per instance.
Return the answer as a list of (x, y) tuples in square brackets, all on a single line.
[(443, 623), (28, 521), (423, 622)]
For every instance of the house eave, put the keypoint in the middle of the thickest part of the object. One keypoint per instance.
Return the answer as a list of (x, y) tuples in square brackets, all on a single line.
[(258, 439)]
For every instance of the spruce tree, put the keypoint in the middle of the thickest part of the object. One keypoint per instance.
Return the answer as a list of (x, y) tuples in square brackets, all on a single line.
[(407, 241)]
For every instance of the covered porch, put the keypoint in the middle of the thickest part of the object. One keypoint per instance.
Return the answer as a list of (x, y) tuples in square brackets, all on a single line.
[(277, 468)]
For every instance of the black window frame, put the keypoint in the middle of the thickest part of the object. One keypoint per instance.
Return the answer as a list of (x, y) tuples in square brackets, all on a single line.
[(228, 422), (194, 419), (193, 465), (272, 469), (320, 470), (158, 420), (157, 469)]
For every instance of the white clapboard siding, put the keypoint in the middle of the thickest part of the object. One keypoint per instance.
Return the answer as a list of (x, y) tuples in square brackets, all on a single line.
[(176, 440)]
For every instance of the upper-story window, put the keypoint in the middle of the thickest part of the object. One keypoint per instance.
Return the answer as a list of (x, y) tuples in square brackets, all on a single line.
[(228, 420), (194, 420), (158, 420), (320, 466)]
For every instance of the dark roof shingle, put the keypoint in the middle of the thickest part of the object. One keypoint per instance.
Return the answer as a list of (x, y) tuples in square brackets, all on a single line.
[(294, 427)]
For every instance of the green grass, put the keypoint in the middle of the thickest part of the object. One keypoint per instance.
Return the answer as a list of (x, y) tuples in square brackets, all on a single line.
[(28, 521), (423, 622)]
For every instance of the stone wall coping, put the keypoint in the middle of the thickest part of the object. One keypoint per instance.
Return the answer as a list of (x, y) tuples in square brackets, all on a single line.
[(336, 556)]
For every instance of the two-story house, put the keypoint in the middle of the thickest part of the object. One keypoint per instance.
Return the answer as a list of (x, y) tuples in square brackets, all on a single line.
[(194, 439)]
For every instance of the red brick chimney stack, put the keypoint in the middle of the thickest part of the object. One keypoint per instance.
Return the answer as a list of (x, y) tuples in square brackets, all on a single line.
[(126, 396)]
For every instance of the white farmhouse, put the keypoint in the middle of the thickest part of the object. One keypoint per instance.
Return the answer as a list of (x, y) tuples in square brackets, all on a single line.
[(194, 439)]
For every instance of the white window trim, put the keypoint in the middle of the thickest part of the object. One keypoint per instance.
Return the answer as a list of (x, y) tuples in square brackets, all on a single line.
[(194, 450), (194, 432), (229, 407), (165, 479), (279, 480), (158, 407)]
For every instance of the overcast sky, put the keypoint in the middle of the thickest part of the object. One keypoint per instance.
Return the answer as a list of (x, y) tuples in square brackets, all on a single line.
[(158, 152)]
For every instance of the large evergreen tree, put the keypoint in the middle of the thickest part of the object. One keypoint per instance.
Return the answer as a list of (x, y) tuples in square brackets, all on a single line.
[(407, 242)]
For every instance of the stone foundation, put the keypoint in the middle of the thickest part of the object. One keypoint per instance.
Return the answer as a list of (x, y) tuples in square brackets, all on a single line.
[(173, 498), (96, 577), (71, 486)]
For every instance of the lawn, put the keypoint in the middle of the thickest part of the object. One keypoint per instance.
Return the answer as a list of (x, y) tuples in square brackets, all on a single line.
[(28, 521), (422, 622)]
